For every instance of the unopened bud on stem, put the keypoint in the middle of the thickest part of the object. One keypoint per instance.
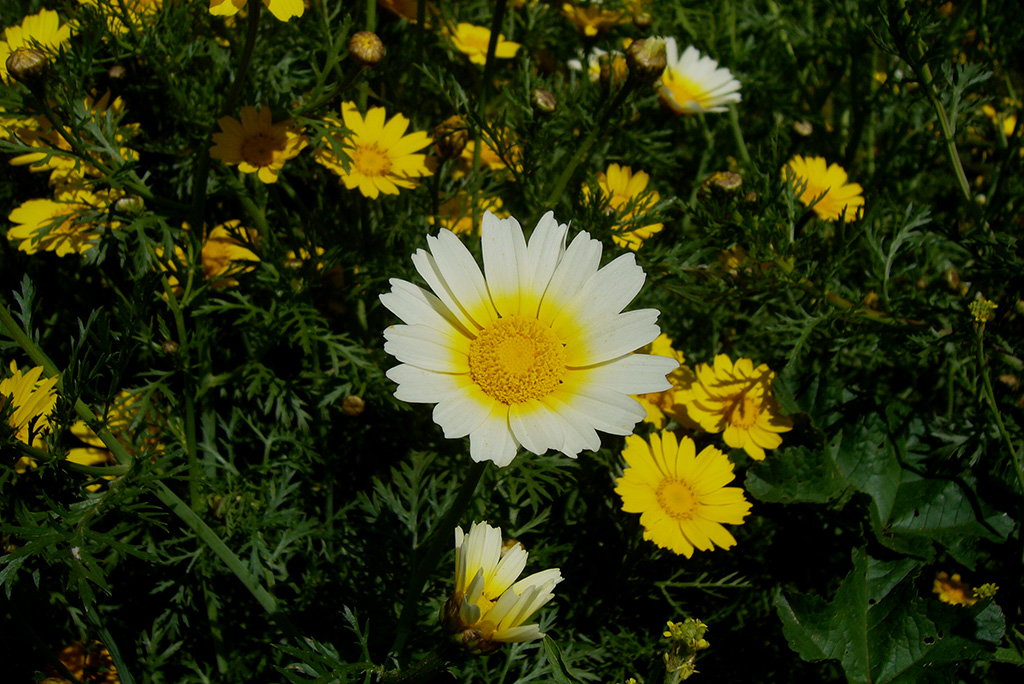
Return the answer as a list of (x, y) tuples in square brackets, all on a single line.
[(366, 48), (646, 59), (28, 66)]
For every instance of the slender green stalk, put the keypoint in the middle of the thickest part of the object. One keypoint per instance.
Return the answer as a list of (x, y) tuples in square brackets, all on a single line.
[(737, 134), (101, 471), (169, 498), (202, 172), (583, 148), (435, 545), (924, 75), (194, 475), (990, 399)]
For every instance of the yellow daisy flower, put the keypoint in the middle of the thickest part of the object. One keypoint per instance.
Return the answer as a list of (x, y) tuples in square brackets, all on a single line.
[(660, 406), (28, 402), (488, 606), (953, 590), (41, 31), (537, 353), (681, 495), (382, 158), (736, 400), (472, 41), (457, 216), (490, 158), (693, 83), (592, 18), (626, 195), (71, 223), (825, 187), (282, 9), (257, 144)]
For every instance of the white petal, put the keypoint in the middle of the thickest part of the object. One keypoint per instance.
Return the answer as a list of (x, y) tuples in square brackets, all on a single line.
[(632, 374), (612, 338), (493, 440), (580, 434), (462, 276), (603, 295), (508, 570), (418, 386), (505, 261), (462, 412), (547, 245), (577, 266), (606, 410), (426, 348), (519, 634), (414, 305), (536, 427)]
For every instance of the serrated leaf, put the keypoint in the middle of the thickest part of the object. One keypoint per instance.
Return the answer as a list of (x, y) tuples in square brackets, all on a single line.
[(560, 670), (865, 457), (881, 630), (795, 475), (931, 510)]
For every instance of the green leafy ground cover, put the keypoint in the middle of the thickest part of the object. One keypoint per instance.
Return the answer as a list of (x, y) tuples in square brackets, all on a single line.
[(271, 512)]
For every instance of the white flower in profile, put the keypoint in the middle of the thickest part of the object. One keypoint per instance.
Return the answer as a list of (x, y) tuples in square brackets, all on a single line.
[(488, 606), (537, 354), (694, 83)]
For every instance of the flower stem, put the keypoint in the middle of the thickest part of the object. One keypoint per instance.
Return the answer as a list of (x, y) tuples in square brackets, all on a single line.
[(435, 545), (990, 399), (191, 451), (914, 55), (584, 148), (202, 172)]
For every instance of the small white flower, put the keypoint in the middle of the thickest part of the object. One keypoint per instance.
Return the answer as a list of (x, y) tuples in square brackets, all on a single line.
[(488, 606), (693, 83)]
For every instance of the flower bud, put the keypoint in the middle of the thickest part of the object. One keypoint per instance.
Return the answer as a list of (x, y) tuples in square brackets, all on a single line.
[(169, 347), (366, 48), (28, 66), (646, 59), (132, 205), (543, 101), (450, 137), (353, 405)]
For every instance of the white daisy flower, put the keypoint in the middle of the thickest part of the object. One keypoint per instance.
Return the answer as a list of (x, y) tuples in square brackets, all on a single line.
[(695, 83), (536, 354), (488, 606)]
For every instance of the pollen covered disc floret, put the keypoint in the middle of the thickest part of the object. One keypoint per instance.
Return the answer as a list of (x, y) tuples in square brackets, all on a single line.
[(537, 353)]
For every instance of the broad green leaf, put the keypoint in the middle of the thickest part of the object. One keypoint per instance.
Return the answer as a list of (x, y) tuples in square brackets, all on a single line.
[(881, 629), (795, 475), (865, 456)]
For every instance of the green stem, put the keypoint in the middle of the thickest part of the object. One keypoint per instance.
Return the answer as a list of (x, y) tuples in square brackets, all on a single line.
[(202, 173), (435, 545), (423, 671), (924, 75), (169, 498), (584, 148), (191, 452), (990, 398), (737, 134), (101, 471)]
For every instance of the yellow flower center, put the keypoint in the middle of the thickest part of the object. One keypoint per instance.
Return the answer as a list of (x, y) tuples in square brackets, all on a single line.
[(259, 150), (517, 359), (743, 413), (676, 498), (371, 160)]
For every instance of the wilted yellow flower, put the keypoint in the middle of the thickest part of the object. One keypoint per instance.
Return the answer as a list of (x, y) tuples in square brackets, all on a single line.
[(139, 11), (472, 41), (67, 169), (490, 159), (626, 194), (257, 144), (41, 31), (457, 216), (825, 187), (591, 19), (71, 223), (282, 9), (953, 590), (681, 495), (224, 255), (737, 400), (382, 158), (488, 606)]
